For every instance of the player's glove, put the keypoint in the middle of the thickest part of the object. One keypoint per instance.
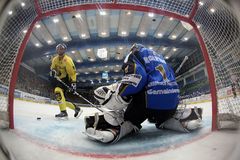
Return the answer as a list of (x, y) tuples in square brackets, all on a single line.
[(73, 87), (53, 74)]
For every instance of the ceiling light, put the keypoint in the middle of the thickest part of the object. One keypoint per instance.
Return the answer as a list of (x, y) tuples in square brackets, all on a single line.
[(120, 48), (200, 3), (170, 18), (160, 34), (212, 10), (38, 25), (103, 13), (10, 12), (23, 4), (83, 35), (185, 39), (37, 44), (174, 36), (78, 61), (198, 26), (142, 33), (25, 31), (78, 15), (124, 33), (104, 33), (150, 47), (174, 49), (49, 41), (129, 13), (166, 57), (164, 49), (151, 14), (65, 38), (86, 72), (73, 52), (88, 49), (55, 20)]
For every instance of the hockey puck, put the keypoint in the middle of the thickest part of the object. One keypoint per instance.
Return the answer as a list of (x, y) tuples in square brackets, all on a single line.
[(38, 118)]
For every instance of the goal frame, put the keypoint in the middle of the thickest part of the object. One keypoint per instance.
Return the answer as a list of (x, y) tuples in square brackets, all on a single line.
[(115, 5)]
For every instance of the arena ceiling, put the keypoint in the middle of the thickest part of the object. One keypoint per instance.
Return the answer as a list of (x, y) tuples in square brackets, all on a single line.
[(94, 33)]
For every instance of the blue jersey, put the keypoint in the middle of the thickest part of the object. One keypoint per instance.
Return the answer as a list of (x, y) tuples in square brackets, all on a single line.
[(157, 79), (135, 76)]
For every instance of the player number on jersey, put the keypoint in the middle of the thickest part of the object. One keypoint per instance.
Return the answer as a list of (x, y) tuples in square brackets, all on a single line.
[(162, 71)]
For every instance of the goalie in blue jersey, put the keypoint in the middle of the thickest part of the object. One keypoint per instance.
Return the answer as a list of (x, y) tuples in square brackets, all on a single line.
[(148, 90)]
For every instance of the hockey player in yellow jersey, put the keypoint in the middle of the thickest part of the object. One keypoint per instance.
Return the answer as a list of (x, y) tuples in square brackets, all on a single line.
[(63, 68)]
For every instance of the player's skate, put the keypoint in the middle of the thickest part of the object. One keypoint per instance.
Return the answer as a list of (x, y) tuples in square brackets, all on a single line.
[(62, 115), (78, 112)]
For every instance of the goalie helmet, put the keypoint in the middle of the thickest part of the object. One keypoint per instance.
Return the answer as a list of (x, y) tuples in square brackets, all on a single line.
[(136, 47)]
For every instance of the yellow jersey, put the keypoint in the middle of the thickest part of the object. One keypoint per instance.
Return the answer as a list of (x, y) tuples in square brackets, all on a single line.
[(64, 67)]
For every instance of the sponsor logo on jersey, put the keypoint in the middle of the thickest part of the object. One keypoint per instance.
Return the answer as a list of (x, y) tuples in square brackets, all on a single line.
[(163, 91)]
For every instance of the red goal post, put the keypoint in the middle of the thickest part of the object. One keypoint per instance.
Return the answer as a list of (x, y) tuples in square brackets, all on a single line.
[(215, 26)]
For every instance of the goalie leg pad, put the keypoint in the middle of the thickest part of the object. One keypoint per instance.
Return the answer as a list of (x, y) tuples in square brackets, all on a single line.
[(111, 135), (184, 120), (114, 102), (100, 135), (114, 118), (188, 114), (90, 122), (173, 124), (126, 128)]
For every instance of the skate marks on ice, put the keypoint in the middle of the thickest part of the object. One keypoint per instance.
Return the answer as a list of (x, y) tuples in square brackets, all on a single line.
[(67, 135)]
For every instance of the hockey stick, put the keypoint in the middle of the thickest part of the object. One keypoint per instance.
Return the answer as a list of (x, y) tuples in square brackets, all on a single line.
[(93, 105), (184, 60), (79, 95)]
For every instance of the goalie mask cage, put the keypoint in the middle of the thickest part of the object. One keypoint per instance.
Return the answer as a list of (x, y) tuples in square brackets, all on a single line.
[(215, 26)]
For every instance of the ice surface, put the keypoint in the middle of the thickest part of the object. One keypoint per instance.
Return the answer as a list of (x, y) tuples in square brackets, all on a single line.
[(67, 135)]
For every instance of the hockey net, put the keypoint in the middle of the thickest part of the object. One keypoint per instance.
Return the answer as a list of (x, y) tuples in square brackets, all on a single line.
[(221, 33), (212, 20)]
